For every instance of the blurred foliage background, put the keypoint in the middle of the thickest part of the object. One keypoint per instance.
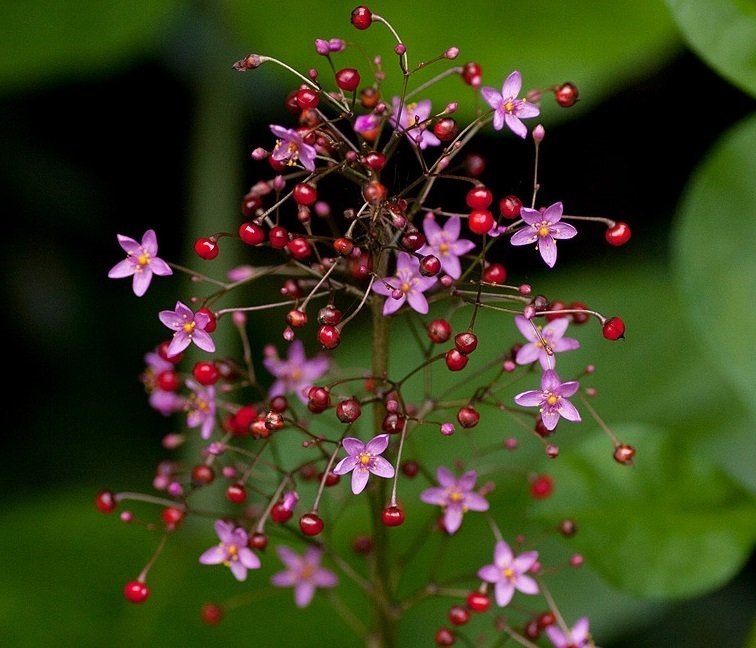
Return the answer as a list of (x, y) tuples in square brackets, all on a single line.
[(115, 118)]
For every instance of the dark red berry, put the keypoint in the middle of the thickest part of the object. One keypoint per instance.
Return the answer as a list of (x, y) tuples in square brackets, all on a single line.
[(446, 129), (393, 423), (374, 192), (567, 528), (168, 380), (410, 468), (329, 315), (362, 17), (172, 516), (531, 630), (331, 479), (479, 198), (618, 234), (444, 637), (475, 165), (478, 602), (455, 361), (305, 194), (546, 619), (412, 240), (163, 353), (318, 399), (279, 404), (251, 233), (472, 74), (280, 514), (105, 501), (624, 454), (250, 204), (278, 237), (206, 248), (495, 273), (343, 246), (579, 318), (240, 422), (392, 516), (510, 207), (468, 417), (480, 221), (296, 318), (236, 493), (541, 487), (362, 545), (311, 524), (307, 98), (348, 411), (206, 373), (274, 421), (202, 475), (348, 79), (329, 336), (375, 160), (566, 95), (211, 613), (466, 342), (439, 331), (458, 615), (258, 541), (430, 265), (541, 430), (613, 329), (212, 320), (136, 591), (299, 247)]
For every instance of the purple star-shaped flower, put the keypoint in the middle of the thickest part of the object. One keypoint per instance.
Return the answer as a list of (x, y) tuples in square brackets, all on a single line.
[(367, 125), (363, 459), (550, 336), (295, 374), (189, 327), (200, 408), (407, 285), (543, 229), (578, 636), (232, 551), (444, 242), (407, 119), (508, 573), (291, 148), (303, 573), (455, 496), (508, 109), (551, 399), (141, 261)]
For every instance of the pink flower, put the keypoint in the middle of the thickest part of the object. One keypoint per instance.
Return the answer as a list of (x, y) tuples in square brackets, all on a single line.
[(189, 327), (508, 109), (367, 125), (200, 408), (291, 148), (543, 229), (455, 496), (551, 399), (303, 573), (364, 459), (141, 261), (551, 335), (508, 573), (444, 242), (408, 285), (412, 114), (577, 637), (295, 374), (232, 551)]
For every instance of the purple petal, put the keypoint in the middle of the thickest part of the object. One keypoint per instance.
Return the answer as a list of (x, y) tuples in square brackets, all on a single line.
[(122, 269), (452, 227), (452, 519), (141, 281), (289, 557), (445, 477), (460, 247), (238, 570), (296, 354), (524, 561), (527, 585), (527, 354), (498, 120), (563, 231), (492, 96), (345, 465), (512, 85), (201, 320), (184, 312), (128, 244), (467, 481), (359, 480), (526, 328), (556, 636), (303, 593), (555, 329), (160, 267), (476, 502), (531, 398), (315, 367), (417, 301), (382, 289), (392, 305), (149, 242), (524, 236), (433, 231), (450, 265), (504, 591), (248, 558), (489, 573), (502, 554), (550, 381), (225, 531), (382, 468), (568, 410), (565, 344), (353, 446), (526, 109), (579, 631), (178, 344), (550, 418), (553, 213), (280, 131), (515, 125), (213, 556), (531, 216), (171, 320), (377, 444), (325, 578), (207, 427), (568, 388), (434, 495), (203, 340), (284, 579)]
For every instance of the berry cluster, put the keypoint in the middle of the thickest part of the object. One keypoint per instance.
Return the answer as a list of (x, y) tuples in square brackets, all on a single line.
[(357, 252)]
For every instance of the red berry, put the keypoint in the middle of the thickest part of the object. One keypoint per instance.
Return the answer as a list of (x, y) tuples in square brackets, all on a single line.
[(478, 602), (430, 265), (329, 336), (296, 318), (392, 516), (279, 404), (479, 198), (624, 454), (510, 206), (251, 233), (495, 273), (136, 591), (348, 411), (480, 221), (236, 493), (362, 17), (542, 487), (172, 516), (307, 98), (311, 524), (375, 160), (299, 247), (444, 637), (546, 619), (566, 95), (410, 468), (318, 399), (343, 246), (331, 479), (618, 234), (472, 73), (239, 423), (206, 373), (348, 79), (206, 248), (475, 165), (412, 240), (211, 613), (374, 192), (305, 194), (202, 475), (393, 423), (280, 514), (168, 380), (278, 237), (439, 331), (468, 417), (614, 329), (531, 630), (458, 615), (212, 320), (258, 541), (105, 501), (329, 315), (466, 342), (455, 361), (163, 353), (579, 318), (250, 204), (446, 129)]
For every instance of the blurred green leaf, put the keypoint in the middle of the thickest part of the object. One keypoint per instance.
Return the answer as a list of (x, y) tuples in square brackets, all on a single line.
[(722, 33), (715, 263), (53, 40)]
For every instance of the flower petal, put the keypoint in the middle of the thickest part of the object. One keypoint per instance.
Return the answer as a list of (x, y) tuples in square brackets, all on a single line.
[(525, 109), (303, 593), (492, 96), (213, 556), (418, 301), (141, 282), (524, 561), (434, 495), (289, 557), (445, 476), (345, 465), (392, 305), (160, 267), (553, 213), (149, 242), (568, 388), (248, 558), (515, 125), (476, 502), (284, 579), (563, 231), (502, 554), (568, 410), (378, 444), (203, 340), (504, 591), (325, 578), (524, 236), (467, 481), (128, 244), (353, 446), (238, 570), (452, 519), (512, 85), (122, 269), (360, 478), (550, 418), (527, 353), (498, 120), (178, 344), (527, 585), (382, 468), (530, 398), (489, 573)]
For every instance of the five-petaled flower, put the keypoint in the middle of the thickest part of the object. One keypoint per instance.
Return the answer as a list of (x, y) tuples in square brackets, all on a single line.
[(200, 408), (508, 573), (411, 120), (303, 573), (291, 148), (551, 399), (455, 496), (407, 285), (577, 637), (363, 459), (232, 551), (543, 228), (543, 342), (142, 262), (189, 327), (444, 242), (508, 109), (295, 374)]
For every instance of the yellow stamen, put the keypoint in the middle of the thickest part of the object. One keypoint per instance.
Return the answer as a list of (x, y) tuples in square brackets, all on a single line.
[(189, 327), (509, 106), (443, 248), (507, 573), (143, 259), (405, 287), (455, 496), (552, 399), (365, 458), (544, 230)]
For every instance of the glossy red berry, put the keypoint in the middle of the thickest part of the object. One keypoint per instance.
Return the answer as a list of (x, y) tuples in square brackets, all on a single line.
[(472, 74), (202, 475), (212, 320), (439, 331), (495, 273), (446, 129), (278, 237), (374, 192), (430, 265), (444, 637), (579, 318), (250, 204), (299, 247), (343, 246), (468, 417), (392, 516), (618, 234), (613, 329), (105, 501), (136, 591), (236, 493), (329, 315), (466, 342), (239, 423), (251, 233), (163, 353), (362, 17), (172, 516), (348, 79), (455, 361), (458, 615), (546, 619), (258, 541), (541, 487), (412, 240), (206, 373), (349, 410), (393, 423), (168, 380), (624, 454), (479, 197), (410, 468), (375, 160), (206, 248), (296, 318), (566, 95), (478, 602), (307, 98), (480, 221), (305, 194), (280, 514), (510, 207), (211, 613), (311, 524)]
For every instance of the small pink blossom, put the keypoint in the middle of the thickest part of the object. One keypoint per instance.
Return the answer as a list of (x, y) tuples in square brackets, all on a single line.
[(200, 408), (551, 335), (363, 459), (444, 242), (509, 573), (411, 120), (141, 261), (508, 109), (543, 229), (232, 551), (455, 496), (303, 573), (577, 637), (551, 399), (189, 327), (295, 374), (291, 148), (408, 284), (367, 124)]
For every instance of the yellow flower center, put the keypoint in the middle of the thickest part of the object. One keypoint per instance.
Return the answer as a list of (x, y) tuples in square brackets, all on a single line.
[(189, 327), (443, 248), (552, 399), (509, 106), (365, 458), (143, 259), (544, 230), (507, 573), (405, 287), (296, 374), (455, 496), (411, 112)]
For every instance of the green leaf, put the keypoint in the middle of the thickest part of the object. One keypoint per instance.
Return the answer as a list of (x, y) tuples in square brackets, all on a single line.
[(52, 40), (722, 33), (715, 257)]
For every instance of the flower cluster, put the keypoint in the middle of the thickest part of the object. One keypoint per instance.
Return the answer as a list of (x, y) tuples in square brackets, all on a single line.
[(355, 252)]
